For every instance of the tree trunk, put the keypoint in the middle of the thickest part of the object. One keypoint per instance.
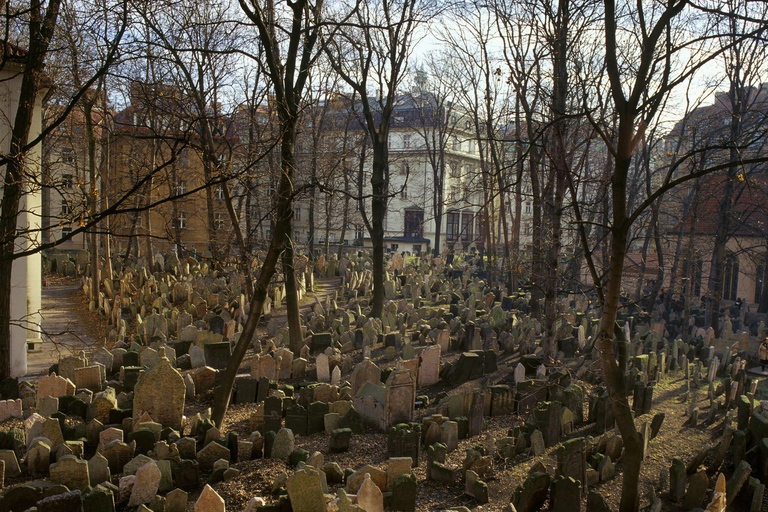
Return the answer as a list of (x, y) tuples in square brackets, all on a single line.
[(93, 236), (244, 259), (280, 233), (615, 380), (296, 341), (538, 240), (378, 211), (345, 215)]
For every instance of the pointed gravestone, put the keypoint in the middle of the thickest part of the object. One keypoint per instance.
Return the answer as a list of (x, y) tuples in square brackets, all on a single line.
[(209, 501), (519, 373), (369, 496)]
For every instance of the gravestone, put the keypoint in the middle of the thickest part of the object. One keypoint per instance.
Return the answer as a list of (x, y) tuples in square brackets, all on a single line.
[(161, 393), (400, 397), (305, 491)]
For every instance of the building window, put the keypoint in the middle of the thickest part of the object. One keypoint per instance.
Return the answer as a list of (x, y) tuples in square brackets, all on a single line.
[(527, 229), (255, 213), (297, 235), (297, 214), (414, 224), (466, 226), (452, 227), (456, 145), (359, 232), (181, 221), (68, 156), (467, 170), (730, 277), (455, 171), (219, 192), (404, 192), (66, 231), (528, 207), (454, 193), (405, 169), (218, 221), (406, 141), (66, 208), (181, 187), (68, 181)]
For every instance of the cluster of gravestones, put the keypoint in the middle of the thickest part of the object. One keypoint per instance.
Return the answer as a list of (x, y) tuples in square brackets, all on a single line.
[(189, 317), (133, 429), (172, 301)]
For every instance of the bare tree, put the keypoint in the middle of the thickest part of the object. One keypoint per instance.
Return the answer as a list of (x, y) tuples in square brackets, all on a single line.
[(371, 56), (290, 40)]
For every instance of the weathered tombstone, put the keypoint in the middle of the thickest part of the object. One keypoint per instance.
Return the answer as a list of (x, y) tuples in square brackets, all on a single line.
[(161, 393), (70, 471), (429, 366), (369, 496), (305, 491), (678, 480), (572, 460), (404, 440), (366, 371), (146, 484), (532, 494), (548, 416), (323, 369), (400, 397), (566, 495), (209, 501), (519, 374)]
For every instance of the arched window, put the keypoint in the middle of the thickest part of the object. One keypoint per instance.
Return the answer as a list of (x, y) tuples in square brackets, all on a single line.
[(730, 277)]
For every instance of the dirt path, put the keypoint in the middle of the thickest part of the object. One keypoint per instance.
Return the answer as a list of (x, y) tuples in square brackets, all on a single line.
[(324, 287), (64, 329)]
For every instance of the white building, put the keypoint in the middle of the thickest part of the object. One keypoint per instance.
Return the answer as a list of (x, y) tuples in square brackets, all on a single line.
[(26, 279)]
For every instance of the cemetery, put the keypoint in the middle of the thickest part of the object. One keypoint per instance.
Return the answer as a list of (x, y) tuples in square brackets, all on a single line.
[(448, 402)]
